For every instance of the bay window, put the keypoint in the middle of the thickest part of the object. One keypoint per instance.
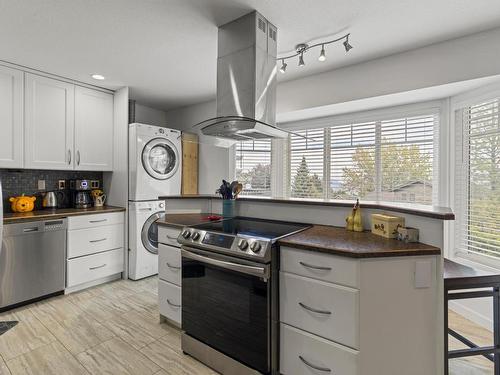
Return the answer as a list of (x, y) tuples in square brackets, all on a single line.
[(477, 197), (253, 166)]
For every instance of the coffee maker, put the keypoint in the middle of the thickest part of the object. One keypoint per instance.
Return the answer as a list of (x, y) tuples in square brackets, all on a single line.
[(80, 192)]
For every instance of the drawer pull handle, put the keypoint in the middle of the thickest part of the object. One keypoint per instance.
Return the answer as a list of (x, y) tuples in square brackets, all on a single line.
[(171, 238), (173, 304), (316, 267), (319, 368), (99, 240), (94, 268), (325, 312), (173, 267), (97, 221)]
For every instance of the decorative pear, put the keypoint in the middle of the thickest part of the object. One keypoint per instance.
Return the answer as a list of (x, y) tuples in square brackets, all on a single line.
[(358, 219)]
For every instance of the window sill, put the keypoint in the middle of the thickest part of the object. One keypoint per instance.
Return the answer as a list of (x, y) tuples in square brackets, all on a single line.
[(434, 212)]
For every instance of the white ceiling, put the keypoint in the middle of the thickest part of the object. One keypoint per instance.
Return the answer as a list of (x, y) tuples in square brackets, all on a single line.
[(165, 50)]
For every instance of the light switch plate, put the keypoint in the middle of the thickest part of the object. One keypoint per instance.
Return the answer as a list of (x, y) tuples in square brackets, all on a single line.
[(61, 184), (423, 274), (41, 184)]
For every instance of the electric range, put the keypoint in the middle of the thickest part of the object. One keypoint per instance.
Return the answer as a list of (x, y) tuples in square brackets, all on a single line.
[(230, 317)]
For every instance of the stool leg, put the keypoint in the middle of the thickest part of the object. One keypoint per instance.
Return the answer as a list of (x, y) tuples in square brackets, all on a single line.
[(496, 327), (446, 358)]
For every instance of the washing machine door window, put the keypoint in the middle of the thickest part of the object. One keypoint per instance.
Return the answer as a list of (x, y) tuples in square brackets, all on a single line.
[(149, 233), (160, 158)]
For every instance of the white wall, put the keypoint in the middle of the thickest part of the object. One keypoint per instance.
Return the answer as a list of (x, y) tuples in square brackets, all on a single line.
[(151, 116)]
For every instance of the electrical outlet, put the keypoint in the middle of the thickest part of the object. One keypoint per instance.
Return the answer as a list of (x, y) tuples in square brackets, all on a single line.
[(41, 184), (61, 184)]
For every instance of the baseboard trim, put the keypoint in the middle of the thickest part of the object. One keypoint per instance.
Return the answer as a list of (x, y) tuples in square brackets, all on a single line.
[(90, 284)]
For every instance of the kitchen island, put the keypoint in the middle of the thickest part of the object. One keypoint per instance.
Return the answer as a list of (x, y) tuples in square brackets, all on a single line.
[(345, 298)]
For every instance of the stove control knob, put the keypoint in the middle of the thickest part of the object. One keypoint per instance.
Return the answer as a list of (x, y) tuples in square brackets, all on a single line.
[(256, 247), (186, 234), (195, 236), (242, 244)]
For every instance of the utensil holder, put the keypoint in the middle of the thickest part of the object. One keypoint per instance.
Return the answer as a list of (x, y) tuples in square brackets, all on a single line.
[(228, 208)]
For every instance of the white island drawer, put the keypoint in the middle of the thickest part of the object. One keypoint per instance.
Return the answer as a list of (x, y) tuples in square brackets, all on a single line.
[(169, 301), (95, 220), (169, 264), (326, 267), (92, 267), (93, 240), (328, 310), (302, 353), (168, 235)]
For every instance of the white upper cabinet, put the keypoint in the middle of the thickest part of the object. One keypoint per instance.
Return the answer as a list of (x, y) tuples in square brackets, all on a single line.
[(93, 130), (11, 118), (49, 123)]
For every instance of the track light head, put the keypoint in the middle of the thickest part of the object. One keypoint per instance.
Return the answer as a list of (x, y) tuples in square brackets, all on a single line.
[(322, 56), (283, 66), (346, 44), (301, 59)]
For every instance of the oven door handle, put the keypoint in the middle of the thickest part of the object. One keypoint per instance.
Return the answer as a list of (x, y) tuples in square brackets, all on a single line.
[(242, 268)]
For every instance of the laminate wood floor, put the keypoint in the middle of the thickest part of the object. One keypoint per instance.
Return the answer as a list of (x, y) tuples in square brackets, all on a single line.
[(109, 329), (477, 334)]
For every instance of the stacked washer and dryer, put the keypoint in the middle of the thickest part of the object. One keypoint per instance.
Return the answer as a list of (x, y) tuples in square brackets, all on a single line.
[(154, 170)]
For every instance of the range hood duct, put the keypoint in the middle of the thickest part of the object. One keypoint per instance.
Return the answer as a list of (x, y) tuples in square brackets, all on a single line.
[(246, 81)]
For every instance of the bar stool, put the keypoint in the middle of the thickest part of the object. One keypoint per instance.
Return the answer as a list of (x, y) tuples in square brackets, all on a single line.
[(458, 277)]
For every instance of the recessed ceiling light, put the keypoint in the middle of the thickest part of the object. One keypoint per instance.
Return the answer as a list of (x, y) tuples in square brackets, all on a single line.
[(98, 77)]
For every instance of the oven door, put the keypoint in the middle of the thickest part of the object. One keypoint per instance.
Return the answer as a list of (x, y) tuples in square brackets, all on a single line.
[(226, 304)]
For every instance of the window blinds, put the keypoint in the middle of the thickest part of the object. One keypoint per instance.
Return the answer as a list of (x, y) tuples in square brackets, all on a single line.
[(253, 166), (389, 160), (307, 163), (478, 180)]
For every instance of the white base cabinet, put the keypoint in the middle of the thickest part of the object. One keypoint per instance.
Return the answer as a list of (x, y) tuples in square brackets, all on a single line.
[(303, 353), (95, 248), (350, 316), (170, 275)]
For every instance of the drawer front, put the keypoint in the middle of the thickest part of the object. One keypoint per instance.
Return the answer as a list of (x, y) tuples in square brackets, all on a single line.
[(169, 301), (93, 240), (326, 267), (302, 353), (168, 236), (169, 264), (95, 220), (328, 310), (92, 267)]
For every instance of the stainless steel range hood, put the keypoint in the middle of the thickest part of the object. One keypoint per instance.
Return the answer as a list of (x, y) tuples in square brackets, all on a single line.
[(246, 81)]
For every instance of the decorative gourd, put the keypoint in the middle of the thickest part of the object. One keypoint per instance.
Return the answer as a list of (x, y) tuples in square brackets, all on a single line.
[(22, 203)]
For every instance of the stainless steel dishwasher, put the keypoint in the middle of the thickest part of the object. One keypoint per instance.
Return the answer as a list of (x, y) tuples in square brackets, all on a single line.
[(32, 261)]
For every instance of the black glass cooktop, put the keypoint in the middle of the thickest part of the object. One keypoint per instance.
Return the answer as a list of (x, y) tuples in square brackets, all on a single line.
[(254, 228)]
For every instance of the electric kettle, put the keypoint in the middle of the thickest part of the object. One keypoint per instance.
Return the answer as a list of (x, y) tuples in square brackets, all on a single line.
[(50, 199)]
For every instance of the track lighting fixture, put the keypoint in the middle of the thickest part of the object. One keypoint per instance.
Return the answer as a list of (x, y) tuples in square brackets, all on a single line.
[(301, 59), (300, 49), (347, 46), (322, 56), (283, 66)]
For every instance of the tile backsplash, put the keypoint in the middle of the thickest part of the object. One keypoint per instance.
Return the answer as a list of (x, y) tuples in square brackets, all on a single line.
[(16, 182)]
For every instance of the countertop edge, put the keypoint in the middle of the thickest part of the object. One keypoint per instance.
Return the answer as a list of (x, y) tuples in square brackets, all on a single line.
[(58, 215), (350, 254)]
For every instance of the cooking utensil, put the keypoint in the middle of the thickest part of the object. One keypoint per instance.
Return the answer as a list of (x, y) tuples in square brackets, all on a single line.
[(237, 190)]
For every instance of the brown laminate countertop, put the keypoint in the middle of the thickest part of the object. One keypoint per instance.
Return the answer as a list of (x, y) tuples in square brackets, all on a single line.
[(339, 241), (11, 218), (460, 275), (181, 220), (434, 212)]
